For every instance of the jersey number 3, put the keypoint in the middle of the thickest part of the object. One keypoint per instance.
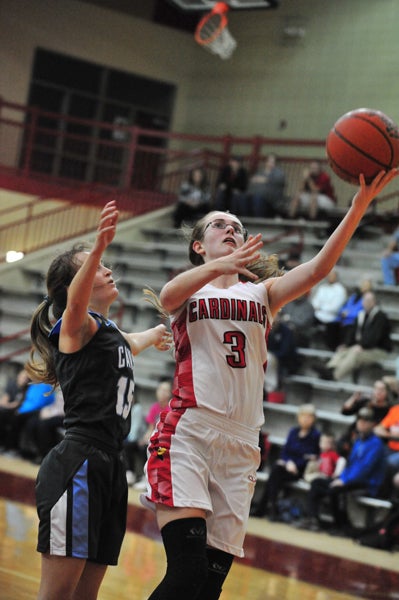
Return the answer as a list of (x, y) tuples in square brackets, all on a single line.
[(236, 341)]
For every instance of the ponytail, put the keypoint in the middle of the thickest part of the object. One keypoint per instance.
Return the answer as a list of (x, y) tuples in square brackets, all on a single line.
[(44, 369)]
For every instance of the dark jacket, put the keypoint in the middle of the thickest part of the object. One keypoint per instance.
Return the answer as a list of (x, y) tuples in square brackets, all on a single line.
[(373, 332)]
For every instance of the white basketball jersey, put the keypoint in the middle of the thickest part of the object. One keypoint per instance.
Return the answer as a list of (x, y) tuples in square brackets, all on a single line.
[(220, 340)]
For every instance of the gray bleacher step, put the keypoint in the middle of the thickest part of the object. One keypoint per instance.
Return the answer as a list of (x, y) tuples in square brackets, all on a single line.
[(334, 386), (324, 415)]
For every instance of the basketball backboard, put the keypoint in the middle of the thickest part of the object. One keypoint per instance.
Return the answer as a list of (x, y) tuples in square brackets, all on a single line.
[(198, 5)]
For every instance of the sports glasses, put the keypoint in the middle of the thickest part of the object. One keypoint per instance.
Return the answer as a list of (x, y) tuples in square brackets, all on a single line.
[(220, 224)]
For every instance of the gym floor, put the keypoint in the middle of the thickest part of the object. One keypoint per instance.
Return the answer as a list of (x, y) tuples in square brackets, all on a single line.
[(281, 563)]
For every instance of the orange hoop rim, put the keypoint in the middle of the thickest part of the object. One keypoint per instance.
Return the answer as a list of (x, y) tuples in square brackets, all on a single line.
[(221, 9)]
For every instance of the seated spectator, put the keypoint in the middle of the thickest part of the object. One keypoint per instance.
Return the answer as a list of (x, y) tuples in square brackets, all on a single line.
[(291, 258), (351, 308), (194, 198), (390, 260), (379, 402), (388, 430), (265, 197), (134, 445), (301, 445), (10, 401), (328, 464), (231, 184), (315, 196), (364, 472), (282, 357), (368, 343), (327, 300), (384, 534), (163, 395), (36, 397), (43, 430), (299, 316)]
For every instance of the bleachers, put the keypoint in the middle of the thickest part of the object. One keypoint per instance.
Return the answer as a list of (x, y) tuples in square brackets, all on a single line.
[(159, 252)]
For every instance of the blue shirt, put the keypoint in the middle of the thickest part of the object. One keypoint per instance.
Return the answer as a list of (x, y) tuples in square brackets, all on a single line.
[(298, 449), (37, 395), (366, 464)]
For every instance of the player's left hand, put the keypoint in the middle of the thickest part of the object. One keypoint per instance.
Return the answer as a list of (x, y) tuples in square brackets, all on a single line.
[(368, 192), (163, 338)]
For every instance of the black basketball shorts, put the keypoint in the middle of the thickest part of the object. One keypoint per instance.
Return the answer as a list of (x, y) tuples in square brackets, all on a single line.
[(81, 498)]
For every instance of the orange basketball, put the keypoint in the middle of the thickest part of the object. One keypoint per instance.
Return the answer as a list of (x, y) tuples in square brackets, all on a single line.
[(363, 141)]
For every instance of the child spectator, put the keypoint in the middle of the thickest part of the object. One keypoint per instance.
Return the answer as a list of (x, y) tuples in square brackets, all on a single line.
[(364, 471), (328, 464)]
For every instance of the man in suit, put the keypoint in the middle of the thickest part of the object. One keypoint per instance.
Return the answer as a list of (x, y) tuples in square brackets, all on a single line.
[(368, 342)]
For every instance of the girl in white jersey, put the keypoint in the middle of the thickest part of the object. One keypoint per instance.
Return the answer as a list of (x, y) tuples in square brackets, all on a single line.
[(203, 455)]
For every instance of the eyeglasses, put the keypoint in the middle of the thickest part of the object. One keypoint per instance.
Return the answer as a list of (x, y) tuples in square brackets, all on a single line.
[(220, 224)]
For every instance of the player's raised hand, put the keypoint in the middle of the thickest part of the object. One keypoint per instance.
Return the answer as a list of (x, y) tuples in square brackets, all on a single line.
[(237, 261), (368, 192), (107, 225)]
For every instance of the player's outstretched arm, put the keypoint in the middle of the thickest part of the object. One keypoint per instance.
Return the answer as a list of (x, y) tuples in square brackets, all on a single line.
[(79, 292), (178, 290), (157, 336)]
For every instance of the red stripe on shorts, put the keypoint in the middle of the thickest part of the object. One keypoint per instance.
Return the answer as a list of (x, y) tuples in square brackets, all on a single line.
[(158, 466)]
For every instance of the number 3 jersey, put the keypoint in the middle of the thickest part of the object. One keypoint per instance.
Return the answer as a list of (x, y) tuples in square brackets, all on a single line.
[(221, 351), (97, 384)]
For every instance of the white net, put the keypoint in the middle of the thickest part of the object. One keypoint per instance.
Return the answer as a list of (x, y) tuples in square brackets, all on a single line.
[(213, 35)]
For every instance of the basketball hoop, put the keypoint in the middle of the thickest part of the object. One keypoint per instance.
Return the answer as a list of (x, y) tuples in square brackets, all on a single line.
[(212, 32)]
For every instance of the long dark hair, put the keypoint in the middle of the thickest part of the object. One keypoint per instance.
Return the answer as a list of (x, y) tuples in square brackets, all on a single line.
[(59, 276)]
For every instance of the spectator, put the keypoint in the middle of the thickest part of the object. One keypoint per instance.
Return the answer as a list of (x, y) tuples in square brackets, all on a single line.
[(36, 397), (315, 194), (379, 402), (368, 342), (163, 395), (292, 257), (282, 357), (135, 449), (299, 316), (390, 260), (351, 308), (301, 445), (388, 430), (364, 471), (194, 198), (44, 429), (265, 195), (231, 184), (327, 300), (328, 464), (10, 400)]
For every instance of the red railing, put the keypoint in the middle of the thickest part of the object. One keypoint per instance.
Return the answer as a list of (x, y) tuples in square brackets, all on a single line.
[(82, 162)]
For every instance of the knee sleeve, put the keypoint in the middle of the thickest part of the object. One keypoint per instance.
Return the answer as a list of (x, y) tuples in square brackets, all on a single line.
[(219, 564), (187, 569)]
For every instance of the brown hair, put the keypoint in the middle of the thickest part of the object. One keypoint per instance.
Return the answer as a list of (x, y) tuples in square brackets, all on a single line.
[(265, 267), (59, 276)]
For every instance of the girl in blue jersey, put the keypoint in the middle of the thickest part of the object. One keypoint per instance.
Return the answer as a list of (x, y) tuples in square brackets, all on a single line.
[(81, 488), (203, 456)]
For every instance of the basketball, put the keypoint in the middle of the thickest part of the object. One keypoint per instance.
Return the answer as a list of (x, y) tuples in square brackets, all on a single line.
[(362, 141)]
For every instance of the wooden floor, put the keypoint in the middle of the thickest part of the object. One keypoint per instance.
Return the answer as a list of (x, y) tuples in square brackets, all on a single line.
[(281, 563)]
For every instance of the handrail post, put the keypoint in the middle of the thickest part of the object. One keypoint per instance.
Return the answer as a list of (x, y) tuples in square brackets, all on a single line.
[(255, 154), (131, 157), (29, 140)]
